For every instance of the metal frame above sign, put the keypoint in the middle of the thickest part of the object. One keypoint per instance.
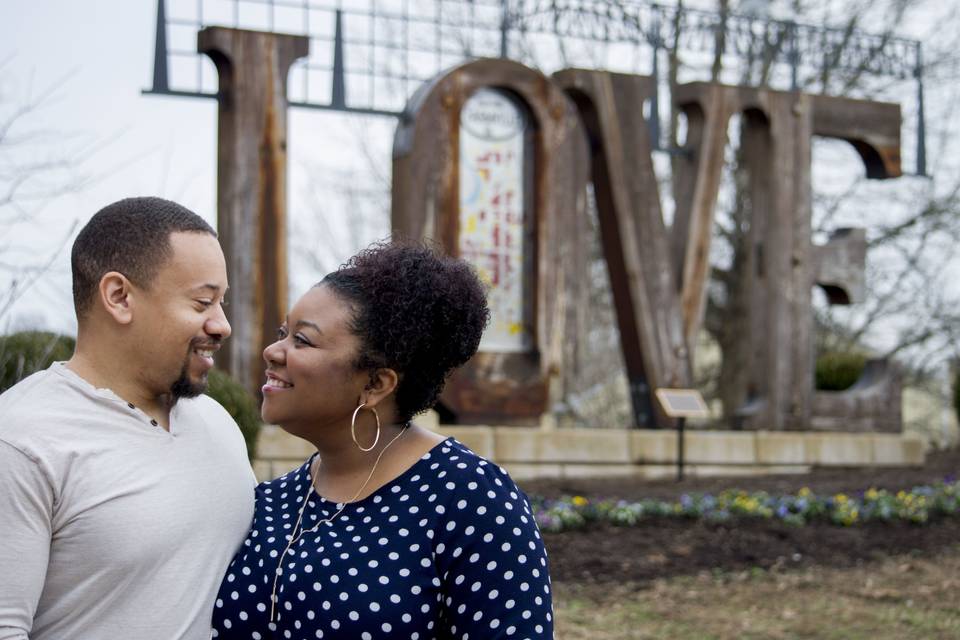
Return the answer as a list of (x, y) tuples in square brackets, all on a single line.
[(368, 56)]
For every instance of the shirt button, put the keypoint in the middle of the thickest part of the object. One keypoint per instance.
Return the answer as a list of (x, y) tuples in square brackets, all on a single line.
[(130, 404), (154, 423)]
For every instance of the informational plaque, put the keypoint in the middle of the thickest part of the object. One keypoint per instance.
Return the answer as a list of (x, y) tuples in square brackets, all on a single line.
[(682, 403), (491, 237)]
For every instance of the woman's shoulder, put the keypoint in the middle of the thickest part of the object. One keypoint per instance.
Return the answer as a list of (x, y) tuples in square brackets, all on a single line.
[(460, 470), (291, 481), (458, 460)]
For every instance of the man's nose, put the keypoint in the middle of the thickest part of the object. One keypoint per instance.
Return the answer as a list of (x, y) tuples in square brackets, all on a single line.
[(218, 325)]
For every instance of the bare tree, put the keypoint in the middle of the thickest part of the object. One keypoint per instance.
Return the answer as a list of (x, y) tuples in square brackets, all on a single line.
[(911, 222), (912, 225), (38, 164), (913, 229)]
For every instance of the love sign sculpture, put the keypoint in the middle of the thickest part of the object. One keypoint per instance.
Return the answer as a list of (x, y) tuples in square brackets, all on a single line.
[(493, 160)]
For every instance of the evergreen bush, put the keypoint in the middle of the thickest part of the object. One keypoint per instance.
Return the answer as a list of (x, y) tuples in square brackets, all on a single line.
[(238, 403), (956, 391), (26, 352), (839, 370)]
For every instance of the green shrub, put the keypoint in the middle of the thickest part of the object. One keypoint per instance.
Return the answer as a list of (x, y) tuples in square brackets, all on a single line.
[(839, 370), (238, 403), (956, 391), (26, 352)]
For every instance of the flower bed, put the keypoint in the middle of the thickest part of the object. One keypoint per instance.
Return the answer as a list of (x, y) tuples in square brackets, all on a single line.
[(916, 506)]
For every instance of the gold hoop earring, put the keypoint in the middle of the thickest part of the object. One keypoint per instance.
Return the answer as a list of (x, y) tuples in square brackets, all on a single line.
[(353, 428)]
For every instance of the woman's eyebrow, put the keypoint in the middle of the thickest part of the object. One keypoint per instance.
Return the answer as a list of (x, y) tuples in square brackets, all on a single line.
[(307, 323)]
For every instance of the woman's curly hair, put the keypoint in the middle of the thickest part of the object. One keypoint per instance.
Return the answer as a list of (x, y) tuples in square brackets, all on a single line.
[(415, 311)]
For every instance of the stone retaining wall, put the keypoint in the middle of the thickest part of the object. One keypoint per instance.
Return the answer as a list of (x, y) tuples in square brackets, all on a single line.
[(539, 452)]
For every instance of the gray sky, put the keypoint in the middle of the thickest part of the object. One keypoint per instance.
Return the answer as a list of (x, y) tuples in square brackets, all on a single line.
[(96, 57)]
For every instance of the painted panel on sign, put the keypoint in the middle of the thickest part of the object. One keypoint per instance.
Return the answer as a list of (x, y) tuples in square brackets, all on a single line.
[(492, 129)]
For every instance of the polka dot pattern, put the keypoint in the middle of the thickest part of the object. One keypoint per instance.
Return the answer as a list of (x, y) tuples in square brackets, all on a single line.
[(449, 549)]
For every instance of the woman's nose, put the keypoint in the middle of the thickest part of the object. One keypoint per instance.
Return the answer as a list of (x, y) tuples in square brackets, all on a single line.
[(274, 353)]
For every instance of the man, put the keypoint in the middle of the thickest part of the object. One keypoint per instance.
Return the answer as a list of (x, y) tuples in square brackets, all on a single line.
[(124, 493)]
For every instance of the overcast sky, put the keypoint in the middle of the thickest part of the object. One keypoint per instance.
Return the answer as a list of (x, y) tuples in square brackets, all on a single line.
[(96, 58)]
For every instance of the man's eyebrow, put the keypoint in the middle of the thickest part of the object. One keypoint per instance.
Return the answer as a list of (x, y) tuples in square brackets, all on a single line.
[(307, 323), (210, 287)]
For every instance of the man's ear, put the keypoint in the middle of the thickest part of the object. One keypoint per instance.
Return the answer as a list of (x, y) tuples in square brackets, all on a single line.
[(116, 296), (382, 383)]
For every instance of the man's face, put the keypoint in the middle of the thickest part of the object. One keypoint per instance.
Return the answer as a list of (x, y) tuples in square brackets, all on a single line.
[(180, 319)]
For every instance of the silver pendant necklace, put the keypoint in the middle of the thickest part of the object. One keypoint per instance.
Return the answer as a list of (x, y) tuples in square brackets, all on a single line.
[(294, 536)]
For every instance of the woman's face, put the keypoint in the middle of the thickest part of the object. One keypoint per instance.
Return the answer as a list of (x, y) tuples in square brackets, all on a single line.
[(311, 380)]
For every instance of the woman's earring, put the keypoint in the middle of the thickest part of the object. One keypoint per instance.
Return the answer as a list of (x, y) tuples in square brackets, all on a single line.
[(353, 427)]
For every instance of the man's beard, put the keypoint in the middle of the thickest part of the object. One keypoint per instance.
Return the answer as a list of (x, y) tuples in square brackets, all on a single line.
[(184, 387)]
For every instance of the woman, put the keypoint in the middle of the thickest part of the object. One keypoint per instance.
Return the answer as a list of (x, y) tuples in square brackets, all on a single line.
[(389, 530)]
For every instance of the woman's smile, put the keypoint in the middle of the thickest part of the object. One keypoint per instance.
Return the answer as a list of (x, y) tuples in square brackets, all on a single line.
[(275, 383)]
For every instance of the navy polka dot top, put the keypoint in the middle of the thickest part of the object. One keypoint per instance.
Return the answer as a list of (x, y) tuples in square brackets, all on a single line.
[(449, 549)]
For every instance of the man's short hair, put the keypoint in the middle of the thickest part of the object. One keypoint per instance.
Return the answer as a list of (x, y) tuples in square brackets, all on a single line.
[(131, 236)]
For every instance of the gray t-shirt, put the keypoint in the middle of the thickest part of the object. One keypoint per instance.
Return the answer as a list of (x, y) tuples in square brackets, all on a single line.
[(112, 527)]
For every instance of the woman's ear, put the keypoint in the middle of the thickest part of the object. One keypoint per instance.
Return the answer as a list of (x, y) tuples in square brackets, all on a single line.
[(116, 296), (383, 382)]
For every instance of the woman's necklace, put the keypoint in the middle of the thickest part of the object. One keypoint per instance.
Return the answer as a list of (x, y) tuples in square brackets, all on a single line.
[(294, 536)]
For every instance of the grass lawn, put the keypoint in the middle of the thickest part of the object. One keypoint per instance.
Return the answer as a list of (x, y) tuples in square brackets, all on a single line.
[(909, 596)]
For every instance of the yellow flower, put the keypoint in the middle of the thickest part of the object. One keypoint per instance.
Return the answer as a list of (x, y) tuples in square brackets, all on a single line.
[(872, 494), (579, 501), (804, 492), (841, 498)]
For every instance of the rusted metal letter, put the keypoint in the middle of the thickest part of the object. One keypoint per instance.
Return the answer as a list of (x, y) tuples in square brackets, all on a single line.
[(781, 263), (433, 177), (635, 240), (251, 185)]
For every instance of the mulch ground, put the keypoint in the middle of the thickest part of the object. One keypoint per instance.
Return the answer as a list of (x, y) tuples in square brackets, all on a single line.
[(668, 547)]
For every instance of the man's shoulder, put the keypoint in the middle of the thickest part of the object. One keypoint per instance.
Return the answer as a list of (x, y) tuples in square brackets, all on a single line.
[(38, 401), (35, 398), (219, 423), (209, 409), (36, 383)]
